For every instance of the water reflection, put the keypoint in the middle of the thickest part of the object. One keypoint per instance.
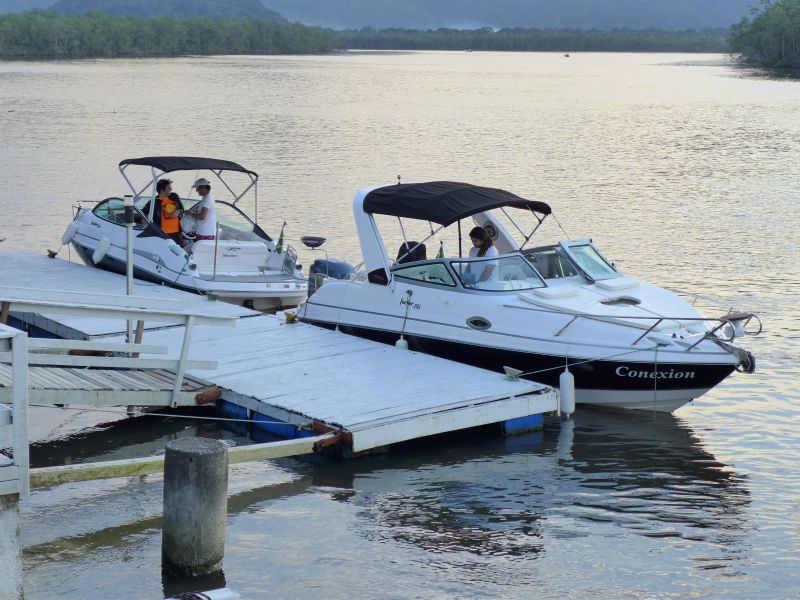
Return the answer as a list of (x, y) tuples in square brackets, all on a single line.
[(130, 438), (471, 506), (774, 74), (505, 497)]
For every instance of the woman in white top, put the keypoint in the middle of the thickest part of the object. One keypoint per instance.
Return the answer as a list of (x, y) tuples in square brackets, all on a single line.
[(482, 246)]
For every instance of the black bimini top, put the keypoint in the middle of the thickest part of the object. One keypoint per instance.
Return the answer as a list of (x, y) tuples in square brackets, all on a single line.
[(443, 202), (169, 164)]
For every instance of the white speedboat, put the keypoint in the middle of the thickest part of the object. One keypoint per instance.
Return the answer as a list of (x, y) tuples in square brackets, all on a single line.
[(627, 343), (242, 265)]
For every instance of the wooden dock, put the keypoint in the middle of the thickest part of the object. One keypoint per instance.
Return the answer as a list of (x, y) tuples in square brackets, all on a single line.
[(378, 394), (28, 270), (308, 378)]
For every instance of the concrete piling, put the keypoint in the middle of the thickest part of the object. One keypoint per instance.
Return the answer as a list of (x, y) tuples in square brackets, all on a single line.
[(195, 506), (10, 548)]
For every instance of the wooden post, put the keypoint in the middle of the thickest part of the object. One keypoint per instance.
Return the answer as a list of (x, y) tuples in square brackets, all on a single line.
[(137, 338), (195, 506), (4, 308)]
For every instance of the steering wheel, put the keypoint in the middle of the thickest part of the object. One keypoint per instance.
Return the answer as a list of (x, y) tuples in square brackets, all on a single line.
[(189, 225)]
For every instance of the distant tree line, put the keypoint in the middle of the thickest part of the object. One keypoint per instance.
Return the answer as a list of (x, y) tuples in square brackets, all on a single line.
[(543, 40), (213, 9), (38, 34), (772, 37)]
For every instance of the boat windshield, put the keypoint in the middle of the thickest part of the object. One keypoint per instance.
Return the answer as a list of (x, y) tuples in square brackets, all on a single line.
[(500, 274), (233, 223), (590, 261), (551, 262), (113, 210)]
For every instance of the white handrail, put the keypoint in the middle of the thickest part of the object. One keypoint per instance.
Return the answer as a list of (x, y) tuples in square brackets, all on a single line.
[(728, 319), (137, 308), (19, 405)]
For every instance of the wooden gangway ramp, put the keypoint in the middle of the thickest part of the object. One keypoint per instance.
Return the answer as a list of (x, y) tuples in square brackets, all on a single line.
[(103, 387)]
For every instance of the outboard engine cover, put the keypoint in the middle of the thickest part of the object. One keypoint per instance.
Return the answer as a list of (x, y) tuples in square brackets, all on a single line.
[(327, 267)]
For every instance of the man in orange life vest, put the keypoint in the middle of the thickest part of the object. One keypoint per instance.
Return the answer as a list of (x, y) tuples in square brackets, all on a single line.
[(170, 211)]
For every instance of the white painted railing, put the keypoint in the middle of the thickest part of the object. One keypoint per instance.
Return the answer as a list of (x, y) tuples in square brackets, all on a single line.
[(14, 474), (105, 306)]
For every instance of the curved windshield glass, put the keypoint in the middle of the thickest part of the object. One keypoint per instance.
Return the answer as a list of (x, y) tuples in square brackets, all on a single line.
[(113, 210), (591, 262), (500, 274), (235, 225), (435, 273), (552, 264)]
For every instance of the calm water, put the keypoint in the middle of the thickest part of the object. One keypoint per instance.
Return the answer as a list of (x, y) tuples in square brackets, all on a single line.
[(684, 169)]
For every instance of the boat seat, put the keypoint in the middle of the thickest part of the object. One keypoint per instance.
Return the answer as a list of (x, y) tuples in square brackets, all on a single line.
[(617, 283), (232, 257), (411, 252)]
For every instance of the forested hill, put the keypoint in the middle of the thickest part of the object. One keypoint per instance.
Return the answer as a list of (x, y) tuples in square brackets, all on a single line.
[(213, 9), (537, 14)]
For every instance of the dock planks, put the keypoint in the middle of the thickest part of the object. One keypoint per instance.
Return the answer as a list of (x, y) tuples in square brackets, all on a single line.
[(298, 373)]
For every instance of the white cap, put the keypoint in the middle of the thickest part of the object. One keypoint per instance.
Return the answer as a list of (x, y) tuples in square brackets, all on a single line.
[(200, 182)]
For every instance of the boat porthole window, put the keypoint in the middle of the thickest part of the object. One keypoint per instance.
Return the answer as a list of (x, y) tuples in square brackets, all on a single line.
[(478, 323)]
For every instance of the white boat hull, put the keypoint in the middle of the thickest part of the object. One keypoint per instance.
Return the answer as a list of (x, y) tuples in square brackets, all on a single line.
[(609, 369), (161, 261)]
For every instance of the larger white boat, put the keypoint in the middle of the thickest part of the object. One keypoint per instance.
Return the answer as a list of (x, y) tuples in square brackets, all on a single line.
[(242, 265), (546, 308)]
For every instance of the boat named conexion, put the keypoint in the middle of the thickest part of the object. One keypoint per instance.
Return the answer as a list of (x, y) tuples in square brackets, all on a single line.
[(545, 309)]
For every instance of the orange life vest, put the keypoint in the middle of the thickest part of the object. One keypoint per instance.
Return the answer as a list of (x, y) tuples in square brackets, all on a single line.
[(168, 207)]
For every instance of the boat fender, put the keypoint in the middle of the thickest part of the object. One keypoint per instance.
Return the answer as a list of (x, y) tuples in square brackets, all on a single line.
[(402, 343), (69, 232), (101, 250), (566, 385)]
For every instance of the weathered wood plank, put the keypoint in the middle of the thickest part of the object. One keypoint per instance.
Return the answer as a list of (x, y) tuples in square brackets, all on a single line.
[(155, 464)]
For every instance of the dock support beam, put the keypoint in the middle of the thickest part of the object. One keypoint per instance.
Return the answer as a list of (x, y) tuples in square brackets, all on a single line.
[(195, 506)]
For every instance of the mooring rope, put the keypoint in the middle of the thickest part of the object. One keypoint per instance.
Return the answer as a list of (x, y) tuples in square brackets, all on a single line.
[(572, 364)]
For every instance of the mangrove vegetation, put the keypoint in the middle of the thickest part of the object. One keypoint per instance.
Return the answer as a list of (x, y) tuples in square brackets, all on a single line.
[(38, 34), (541, 40), (771, 38)]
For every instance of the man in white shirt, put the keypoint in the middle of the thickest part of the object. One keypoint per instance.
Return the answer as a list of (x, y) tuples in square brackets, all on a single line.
[(205, 211)]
